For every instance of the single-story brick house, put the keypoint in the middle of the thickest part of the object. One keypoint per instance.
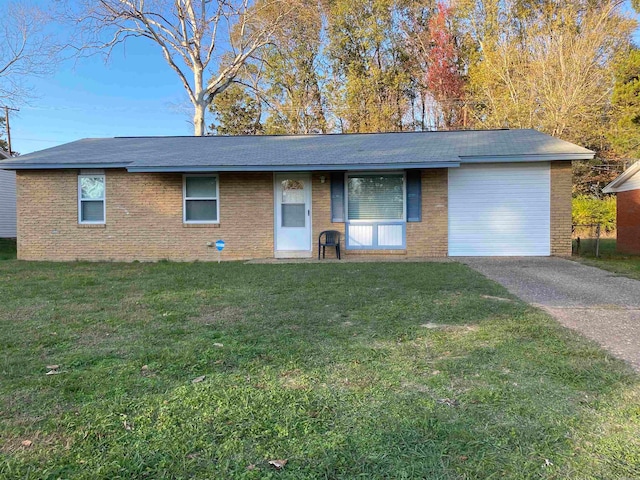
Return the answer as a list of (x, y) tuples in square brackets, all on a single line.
[(627, 190), (7, 201), (458, 193)]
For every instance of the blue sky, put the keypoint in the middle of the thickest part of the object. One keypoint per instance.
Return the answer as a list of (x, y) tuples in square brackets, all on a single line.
[(134, 94)]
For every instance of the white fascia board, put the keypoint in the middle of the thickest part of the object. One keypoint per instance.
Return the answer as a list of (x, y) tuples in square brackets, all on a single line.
[(526, 158), (290, 168), (618, 184), (59, 166)]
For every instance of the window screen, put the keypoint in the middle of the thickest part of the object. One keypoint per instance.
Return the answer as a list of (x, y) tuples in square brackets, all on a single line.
[(376, 197), (293, 206)]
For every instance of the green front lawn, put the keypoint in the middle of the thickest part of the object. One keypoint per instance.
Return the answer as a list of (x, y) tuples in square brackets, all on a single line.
[(373, 370), (611, 260)]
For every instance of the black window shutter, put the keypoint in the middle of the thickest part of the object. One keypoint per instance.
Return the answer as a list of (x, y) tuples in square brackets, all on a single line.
[(337, 197), (414, 195)]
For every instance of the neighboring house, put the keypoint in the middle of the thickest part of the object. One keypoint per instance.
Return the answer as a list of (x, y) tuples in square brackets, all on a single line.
[(7, 201), (493, 192), (627, 190)]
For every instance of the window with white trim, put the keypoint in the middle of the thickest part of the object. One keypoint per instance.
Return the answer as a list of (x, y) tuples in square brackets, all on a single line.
[(375, 197), (91, 199), (200, 199)]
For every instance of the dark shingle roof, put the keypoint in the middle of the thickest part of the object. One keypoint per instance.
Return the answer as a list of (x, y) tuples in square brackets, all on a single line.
[(352, 151)]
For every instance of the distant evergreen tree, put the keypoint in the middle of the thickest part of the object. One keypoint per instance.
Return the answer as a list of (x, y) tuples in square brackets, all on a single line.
[(3, 132), (626, 103), (236, 113)]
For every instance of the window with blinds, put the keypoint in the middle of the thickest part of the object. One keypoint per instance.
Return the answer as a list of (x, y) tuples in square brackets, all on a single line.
[(375, 197), (91, 199)]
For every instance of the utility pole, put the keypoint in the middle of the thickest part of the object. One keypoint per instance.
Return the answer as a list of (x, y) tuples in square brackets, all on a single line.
[(6, 116)]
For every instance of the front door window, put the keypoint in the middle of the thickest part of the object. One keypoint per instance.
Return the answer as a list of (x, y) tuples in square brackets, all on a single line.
[(293, 204)]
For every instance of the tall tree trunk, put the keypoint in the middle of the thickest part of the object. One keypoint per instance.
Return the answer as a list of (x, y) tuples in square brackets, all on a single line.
[(200, 104), (423, 99), (198, 118), (199, 101)]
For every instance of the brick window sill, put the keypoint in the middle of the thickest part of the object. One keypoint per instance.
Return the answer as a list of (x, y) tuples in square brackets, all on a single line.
[(201, 225), (92, 225)]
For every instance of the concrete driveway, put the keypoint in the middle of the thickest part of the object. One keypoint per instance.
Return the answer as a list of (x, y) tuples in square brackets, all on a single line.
[(603, 306)]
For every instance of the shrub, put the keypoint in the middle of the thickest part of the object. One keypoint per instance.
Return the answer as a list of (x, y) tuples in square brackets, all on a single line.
[(587, 209)]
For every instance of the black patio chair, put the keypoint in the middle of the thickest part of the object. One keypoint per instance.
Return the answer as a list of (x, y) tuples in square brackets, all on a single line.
[(331, 239)]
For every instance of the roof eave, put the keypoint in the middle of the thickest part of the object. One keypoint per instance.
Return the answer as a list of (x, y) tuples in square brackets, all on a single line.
[(59, 166), (547, 157), (290, 168), (615, 185)]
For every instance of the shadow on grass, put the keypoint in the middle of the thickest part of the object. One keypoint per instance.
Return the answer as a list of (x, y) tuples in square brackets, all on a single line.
[(354, 370), (7, 249)]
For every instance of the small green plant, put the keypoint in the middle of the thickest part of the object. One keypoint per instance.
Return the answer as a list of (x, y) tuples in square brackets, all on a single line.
[(588, 210)]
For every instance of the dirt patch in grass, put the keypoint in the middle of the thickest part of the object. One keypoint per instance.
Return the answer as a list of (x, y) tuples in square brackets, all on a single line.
[(35, 443), (25, 312), (294, 380), (454, 328), (105, 337), (499, 299), (416, 387), (448, 298)]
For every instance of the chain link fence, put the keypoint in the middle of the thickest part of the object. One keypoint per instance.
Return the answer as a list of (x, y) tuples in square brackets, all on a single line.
[(586, 239)]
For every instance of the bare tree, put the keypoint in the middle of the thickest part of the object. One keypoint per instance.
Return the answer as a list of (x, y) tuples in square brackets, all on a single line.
[(551, 69), (27, 48), (194, 36)]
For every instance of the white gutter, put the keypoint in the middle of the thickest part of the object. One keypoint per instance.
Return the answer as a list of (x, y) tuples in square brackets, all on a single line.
[(615, 186)]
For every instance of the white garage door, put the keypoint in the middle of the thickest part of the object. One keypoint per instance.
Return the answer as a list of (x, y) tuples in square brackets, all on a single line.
[(499, 210)]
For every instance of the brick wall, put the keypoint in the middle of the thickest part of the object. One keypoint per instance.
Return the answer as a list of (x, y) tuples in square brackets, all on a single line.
[(561, 183), (321, 212), (430, 238), (144, 218), (628, 222)]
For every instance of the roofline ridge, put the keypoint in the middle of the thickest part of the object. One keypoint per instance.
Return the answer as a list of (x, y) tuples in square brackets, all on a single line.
[(332, 134)]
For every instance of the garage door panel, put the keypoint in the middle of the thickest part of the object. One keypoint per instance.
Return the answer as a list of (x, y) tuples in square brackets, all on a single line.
[(499, 210)]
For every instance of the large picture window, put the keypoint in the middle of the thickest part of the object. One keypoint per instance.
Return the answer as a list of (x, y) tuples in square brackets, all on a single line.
[(375, 197), (200, 195), (91, 199)]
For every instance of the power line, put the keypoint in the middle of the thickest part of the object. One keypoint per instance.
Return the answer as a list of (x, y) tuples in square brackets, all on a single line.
[(40, 140), (93, 108)]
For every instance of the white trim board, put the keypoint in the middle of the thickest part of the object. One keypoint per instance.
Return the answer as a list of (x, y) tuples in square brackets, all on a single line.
[(628, 180), (184, 199), (103, 199)]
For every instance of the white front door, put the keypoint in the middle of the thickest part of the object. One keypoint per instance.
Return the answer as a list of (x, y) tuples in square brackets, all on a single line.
[(293, 214)]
